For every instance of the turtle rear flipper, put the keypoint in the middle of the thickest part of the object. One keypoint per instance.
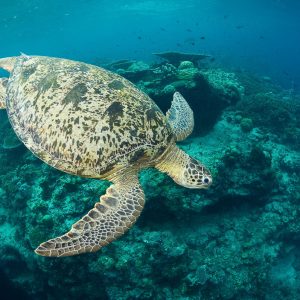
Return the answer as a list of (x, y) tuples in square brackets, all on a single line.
[(181, 118), (7, 63), (116, 212), (3, 84)]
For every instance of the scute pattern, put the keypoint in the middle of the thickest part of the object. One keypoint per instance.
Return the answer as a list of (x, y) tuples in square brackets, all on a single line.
[(180, 117), (116, 212), (83, 119)]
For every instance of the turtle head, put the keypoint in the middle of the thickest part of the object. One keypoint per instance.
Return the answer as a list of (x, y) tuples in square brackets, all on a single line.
[(185, 170), (194, 175)]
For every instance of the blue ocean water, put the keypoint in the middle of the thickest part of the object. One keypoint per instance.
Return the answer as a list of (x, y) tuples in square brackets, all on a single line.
[(261, 35), (239, 239)]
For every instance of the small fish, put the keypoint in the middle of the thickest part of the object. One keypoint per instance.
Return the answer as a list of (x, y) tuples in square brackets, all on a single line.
[(239, 26), (188, 30), (139, 37), (202, 37), (162, 29), (178, 45)]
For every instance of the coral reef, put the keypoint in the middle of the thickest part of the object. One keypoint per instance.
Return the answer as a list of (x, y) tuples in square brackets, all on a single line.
[(175, 58), (273, 112), (237, 240), (209, 91)]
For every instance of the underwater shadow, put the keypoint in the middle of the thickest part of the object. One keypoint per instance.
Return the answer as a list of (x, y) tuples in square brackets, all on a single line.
[(234, 203), (9, 291)]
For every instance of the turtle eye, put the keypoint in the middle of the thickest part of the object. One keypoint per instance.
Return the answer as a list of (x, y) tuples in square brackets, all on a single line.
[(206, 180)]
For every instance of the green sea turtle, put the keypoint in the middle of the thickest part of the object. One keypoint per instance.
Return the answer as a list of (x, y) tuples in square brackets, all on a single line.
[(87, 121)]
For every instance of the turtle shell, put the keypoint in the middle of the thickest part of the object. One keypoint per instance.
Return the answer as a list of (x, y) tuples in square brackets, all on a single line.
[(82, 119)]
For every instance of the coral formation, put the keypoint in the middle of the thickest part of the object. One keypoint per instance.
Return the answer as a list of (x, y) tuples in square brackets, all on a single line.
[(187, 71), (274, 113), (175, 58), (246, 124), (214, 89), (237, 240)]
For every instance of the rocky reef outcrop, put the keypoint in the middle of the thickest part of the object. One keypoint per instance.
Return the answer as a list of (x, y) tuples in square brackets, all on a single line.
[(237, 240)]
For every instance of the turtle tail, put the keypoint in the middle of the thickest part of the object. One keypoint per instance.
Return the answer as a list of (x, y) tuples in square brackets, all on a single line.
[(7, 63)]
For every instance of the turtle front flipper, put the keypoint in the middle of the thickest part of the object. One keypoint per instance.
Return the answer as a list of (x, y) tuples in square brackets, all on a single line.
[(3, 84), (116, 212), (181, 118)]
